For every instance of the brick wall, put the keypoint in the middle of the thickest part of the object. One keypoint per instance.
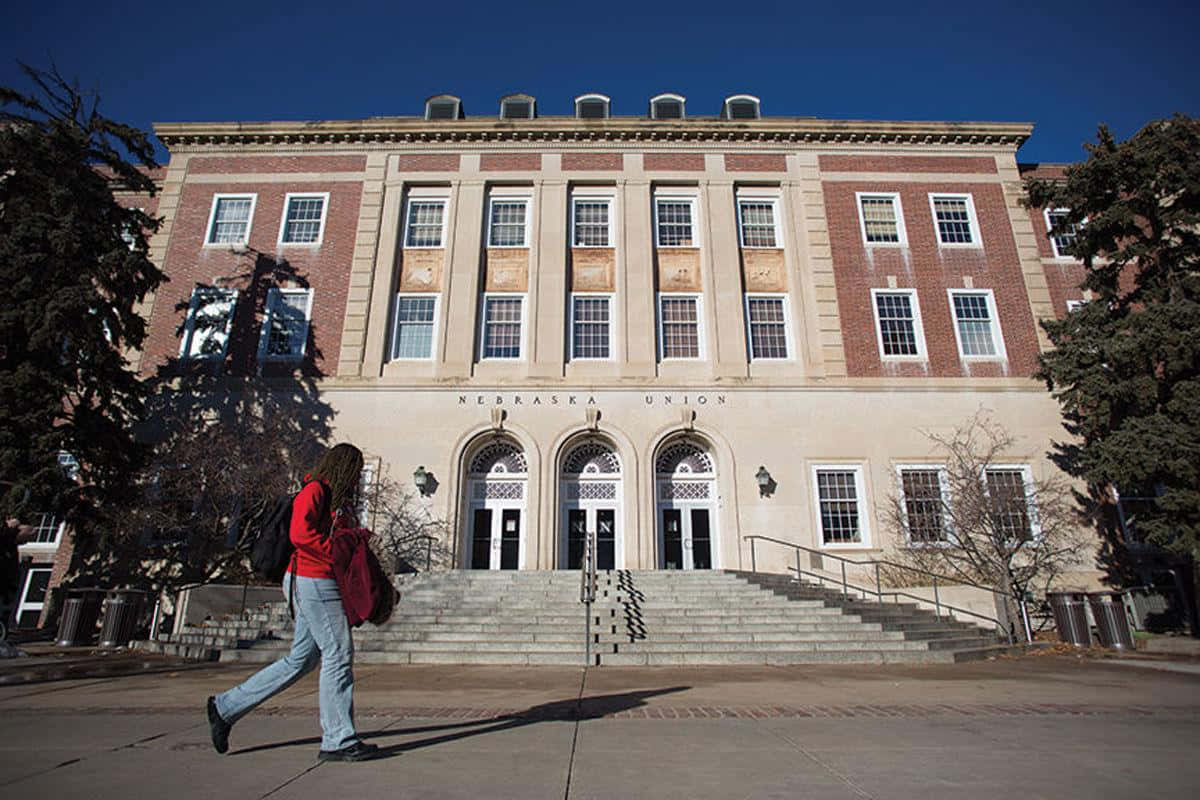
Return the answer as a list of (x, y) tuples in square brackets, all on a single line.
[(429, 163), (586, 161), (510, 162), (755, 162), (968, 164), (276, 164), (683, 162)]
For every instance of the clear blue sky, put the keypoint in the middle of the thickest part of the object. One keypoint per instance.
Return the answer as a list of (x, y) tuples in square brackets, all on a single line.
[(1064, 66)]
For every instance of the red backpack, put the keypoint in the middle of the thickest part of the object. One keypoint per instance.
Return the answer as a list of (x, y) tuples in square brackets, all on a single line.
[(367, 593)]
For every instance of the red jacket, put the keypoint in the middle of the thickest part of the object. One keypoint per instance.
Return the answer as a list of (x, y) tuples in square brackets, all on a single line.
[(312, 521)]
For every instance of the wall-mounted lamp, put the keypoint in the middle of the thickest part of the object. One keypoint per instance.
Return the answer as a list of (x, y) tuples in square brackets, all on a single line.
[(421, 480), (766, 484)]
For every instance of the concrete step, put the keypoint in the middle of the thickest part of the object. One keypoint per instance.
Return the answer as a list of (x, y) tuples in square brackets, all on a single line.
[(777, 658)]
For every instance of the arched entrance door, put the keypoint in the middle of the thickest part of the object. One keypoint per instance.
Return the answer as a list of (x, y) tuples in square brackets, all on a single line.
[(497, 484), (686, 488), (591, 502)]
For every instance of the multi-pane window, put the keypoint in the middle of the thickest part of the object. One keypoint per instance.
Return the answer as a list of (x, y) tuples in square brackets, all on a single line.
[(924, 505), (414, 325), (975, 325), (767, 320), (303, 219), (954, 217), (1008, 496), (591, 223), (757, 223), (679, 332), (880, 217), (838, 500), (1063, 241), (502, 315), (900, 334), (285, 329), (210, 317), (47, 529), (33, 596), (507, 223), (674, 223), (426, 220), (231, 219), (591, 326)]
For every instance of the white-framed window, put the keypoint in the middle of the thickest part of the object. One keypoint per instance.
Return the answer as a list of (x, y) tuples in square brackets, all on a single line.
[(33, 596), (924, 498), (414, 326), (592, 106), (508, 222), (518, 106), (1010, 495), (591, 326), (1074, 305), (668, 106), (230, 219), (898, 330), (954, 220), (209, 320), (425, 223), (976, 326), (742, 106), (1062, 242), (841, 505), (767, 326), (69, 464), (48, 530), (303, 218), (502, 326), (680, 333), (675, 222), (758, 222), (591, 222), (881, 219), (284, 334), (443, 106)]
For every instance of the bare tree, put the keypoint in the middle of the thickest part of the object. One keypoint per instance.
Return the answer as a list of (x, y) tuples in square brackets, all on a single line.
[(407, 536)]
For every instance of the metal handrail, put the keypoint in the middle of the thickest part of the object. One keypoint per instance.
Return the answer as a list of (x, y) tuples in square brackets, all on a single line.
[(587, 591), (878, 591)]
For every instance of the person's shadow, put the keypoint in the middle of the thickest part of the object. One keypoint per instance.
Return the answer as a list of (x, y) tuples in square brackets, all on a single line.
[(577, 709)]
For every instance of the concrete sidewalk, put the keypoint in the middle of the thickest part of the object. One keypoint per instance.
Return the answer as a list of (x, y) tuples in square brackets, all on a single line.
[(1033, 727)]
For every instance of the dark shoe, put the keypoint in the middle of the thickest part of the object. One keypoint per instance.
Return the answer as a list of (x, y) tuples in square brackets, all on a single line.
[(359, 751), (218, 727)]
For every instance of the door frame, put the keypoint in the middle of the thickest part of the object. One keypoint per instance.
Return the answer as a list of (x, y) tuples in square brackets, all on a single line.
[(497, 507), (685, 507), (590, 507)]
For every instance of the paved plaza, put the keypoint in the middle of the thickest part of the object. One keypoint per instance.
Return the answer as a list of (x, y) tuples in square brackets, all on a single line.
[(1044, 726)]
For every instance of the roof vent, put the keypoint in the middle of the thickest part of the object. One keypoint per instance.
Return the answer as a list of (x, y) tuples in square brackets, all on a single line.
[(592, 106), (668, 106), (742, 106), (518, 106), (444, 106)]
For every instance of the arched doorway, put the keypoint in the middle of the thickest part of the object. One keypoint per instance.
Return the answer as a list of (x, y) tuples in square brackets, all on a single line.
[(686, 491), (497, 485), (591, 501)]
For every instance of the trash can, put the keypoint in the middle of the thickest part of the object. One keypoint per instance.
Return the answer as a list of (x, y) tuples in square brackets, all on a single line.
[(78, 622), (121, 614), (1112, 624), (1070, 617)]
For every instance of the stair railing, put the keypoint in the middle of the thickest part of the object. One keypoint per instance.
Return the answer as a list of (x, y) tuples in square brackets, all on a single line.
[(587, 591), (878, 591)]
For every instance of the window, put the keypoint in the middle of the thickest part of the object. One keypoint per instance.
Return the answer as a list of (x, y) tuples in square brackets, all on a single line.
[(591, 326), (667, 106), (502, 322), (230, 220), (898, 324), (303, 219), (679, 326), (69, 464), (673, 222), (923, 495), (426, 223), (1009, 491), (590, 222), (33, 596), (210, 317), (1063, 241), (742, 106), (412, 335), (518, 106), (840, 505), (975, 325), (285, 328), (506, 222), (443, 106), (48, 529), (954, 218), (766, 317), (756, 218), (881, 220), (592, 106)]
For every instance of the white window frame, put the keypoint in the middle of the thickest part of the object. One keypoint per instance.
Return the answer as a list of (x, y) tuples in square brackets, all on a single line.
[(612, 322), (972, 219), (185, 344), (212, 219), (287, 202), (860, 494), (918, 328), (408, 206), (668, 96), (734, 98), (901, 231), (274, 295), (770, 200), (22, 605), (510, 198), (594, 198), (1046, 212), (518, 98), (997, 334), (1035, 528), (1074, 305), (943, 488), (60, 525), (594, 96), (433, 340), (690, 199), (699, 298), (787, 326), (483, 326)]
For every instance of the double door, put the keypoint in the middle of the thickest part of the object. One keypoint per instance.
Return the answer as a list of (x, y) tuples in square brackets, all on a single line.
[(686, 537), (601, 521), (495, 537)]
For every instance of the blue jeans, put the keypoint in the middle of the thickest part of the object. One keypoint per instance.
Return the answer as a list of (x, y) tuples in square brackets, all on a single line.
[(322, 634)]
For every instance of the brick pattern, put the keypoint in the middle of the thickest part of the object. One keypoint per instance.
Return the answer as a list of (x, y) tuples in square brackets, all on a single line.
[(1064, 279), (440, 162), (931, 270), (755, 162), (968, 164), (671, 162), (276, 164), (587, 161), (1047, 171), (510, 162)]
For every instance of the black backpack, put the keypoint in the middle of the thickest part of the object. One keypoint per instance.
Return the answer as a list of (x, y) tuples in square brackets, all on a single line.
[(270, 539)]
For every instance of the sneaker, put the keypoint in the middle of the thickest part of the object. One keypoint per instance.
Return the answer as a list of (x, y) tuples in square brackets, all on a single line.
[(218, 727), (359, 751)]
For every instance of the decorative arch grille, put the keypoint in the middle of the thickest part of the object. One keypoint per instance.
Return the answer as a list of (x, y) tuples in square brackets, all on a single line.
[(592, 458), (684, 458), (499, 458)]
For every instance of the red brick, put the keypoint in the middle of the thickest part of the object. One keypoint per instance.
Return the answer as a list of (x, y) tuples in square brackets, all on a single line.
[(755, 162), (682, 162), (272, 164), (833, 163), (510, 162), (437, 162), (585, 161)]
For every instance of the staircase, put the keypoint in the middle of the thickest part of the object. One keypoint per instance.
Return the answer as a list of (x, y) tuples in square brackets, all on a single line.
[(640, 618)]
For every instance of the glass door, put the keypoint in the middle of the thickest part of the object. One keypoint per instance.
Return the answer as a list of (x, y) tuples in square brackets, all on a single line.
[(686, 538), (481, 539)]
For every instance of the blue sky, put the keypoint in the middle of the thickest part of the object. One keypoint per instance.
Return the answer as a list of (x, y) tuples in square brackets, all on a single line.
[(1065, 66)]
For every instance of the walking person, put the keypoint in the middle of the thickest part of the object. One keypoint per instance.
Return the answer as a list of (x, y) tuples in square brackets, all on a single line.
[(322, 633)]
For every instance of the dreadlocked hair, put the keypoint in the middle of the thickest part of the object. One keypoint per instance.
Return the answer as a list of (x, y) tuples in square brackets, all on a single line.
[(341, 468)]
